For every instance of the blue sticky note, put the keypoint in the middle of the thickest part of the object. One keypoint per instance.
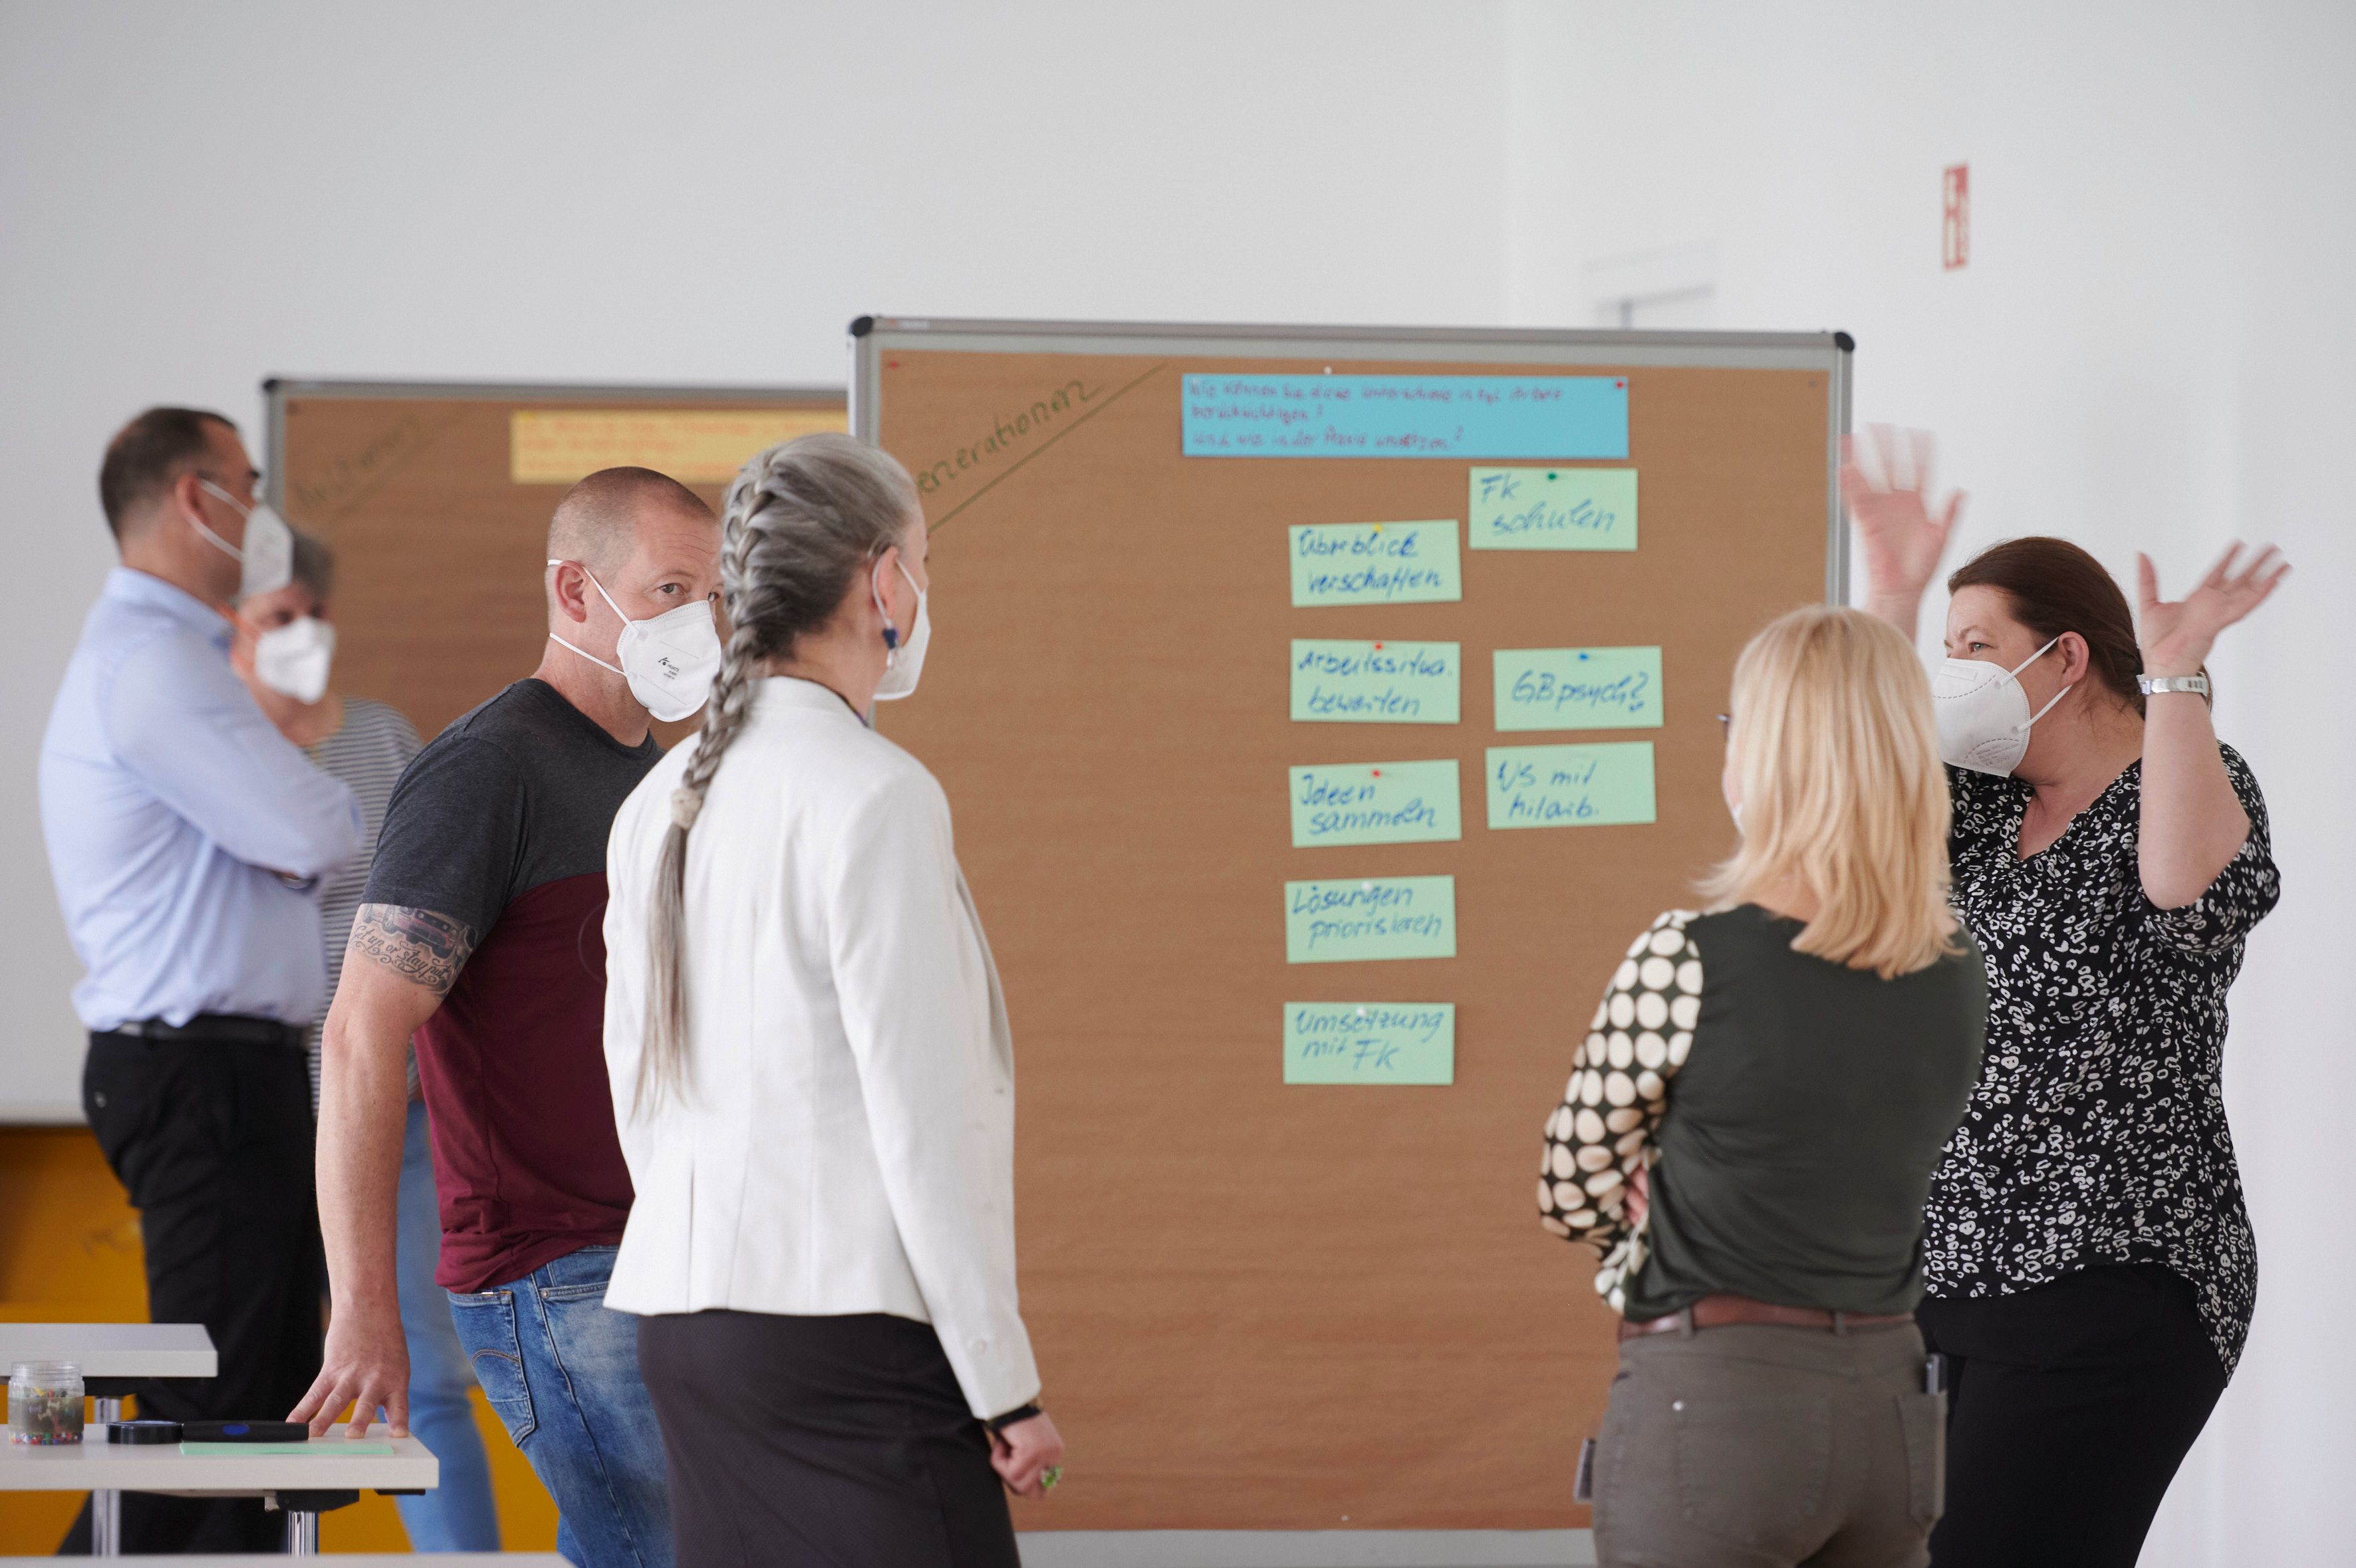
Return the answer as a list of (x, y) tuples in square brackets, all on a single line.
[(1552, 509), (1347, 682), (1361, 921), (1578, 688), (1375, 563), (1404, 416), (1370, 1042), (1375, 802), (1570, 786)]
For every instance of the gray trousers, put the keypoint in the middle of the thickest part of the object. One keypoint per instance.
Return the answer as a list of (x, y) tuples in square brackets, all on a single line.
[(1752, 1447)]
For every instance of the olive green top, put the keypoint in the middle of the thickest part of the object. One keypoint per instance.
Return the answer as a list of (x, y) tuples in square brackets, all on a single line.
[(1790, 1110)]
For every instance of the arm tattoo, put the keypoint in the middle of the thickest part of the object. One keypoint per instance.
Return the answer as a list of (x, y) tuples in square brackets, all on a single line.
[(420, 946)]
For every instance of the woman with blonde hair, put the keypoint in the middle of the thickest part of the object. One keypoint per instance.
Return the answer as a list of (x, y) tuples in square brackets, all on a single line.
[(813, 1078), (1750, 1128)]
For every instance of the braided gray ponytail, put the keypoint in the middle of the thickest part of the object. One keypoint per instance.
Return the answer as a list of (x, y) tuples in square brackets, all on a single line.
[(802, 521)]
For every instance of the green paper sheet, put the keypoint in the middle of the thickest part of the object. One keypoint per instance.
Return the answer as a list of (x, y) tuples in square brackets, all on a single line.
[(1370, 1042), (1570, 786), (1375, 563), (1356, 921), (1552, 509), (1578, 688), (1376, 682), (326, 1447), (1375, 802)]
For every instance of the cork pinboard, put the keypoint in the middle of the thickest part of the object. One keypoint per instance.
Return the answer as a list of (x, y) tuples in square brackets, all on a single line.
[(1259, 1305), (436, 499)]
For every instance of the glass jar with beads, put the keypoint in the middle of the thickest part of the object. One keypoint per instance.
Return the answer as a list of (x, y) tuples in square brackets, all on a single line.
[(45, 1402)]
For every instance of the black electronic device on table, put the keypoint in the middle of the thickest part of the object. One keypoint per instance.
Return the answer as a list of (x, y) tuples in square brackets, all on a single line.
[(245, 1432), (143, 1431)]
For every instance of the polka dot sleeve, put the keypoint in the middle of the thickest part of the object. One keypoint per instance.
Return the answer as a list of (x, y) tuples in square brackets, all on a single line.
[(1601, 1135)]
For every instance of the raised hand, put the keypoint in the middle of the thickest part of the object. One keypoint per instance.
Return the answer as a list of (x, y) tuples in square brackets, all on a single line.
[(2176, 636), (1901, 531)]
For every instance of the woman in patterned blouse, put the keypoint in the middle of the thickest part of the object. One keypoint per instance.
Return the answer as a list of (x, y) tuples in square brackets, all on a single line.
[(2090, 1264), (1752, 1126)]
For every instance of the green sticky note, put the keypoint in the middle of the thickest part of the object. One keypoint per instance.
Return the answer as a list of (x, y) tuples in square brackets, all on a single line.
[(1375, 802), (1375, 563), (1578, 688), (1370, 1042), (326, 1447), (1570, 786), (1553, 508), (1376, 682), (1361, 921)]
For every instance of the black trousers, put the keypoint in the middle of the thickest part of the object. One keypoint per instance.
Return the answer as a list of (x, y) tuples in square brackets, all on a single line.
[(212, 1139), (820, 1442), (2069, 1408)]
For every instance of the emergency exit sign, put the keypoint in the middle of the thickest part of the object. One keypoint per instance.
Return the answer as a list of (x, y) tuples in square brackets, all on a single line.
[(1955, 233)]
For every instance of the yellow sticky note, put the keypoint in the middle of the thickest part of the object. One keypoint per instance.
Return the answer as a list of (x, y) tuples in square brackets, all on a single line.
[(695, 446)]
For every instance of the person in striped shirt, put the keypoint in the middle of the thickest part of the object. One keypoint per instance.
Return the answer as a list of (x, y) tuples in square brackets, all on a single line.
[(283, 647)]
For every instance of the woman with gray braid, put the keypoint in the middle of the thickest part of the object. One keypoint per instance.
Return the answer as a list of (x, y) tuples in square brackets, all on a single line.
[(813, 1076)]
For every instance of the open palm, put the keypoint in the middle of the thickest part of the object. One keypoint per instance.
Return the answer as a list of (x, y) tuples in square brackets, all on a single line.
[(2176, 635), (1903, 533)]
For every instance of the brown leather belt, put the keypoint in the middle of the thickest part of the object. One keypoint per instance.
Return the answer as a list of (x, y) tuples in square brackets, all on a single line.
[(1725, 1311)]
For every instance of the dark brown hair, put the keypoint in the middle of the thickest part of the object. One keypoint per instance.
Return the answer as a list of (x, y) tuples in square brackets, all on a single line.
[(2053, 587), (147, 454)]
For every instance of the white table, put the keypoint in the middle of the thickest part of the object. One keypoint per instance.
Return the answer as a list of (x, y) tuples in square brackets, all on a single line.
[(290, 1480), (113, 1350), (107, 1352)]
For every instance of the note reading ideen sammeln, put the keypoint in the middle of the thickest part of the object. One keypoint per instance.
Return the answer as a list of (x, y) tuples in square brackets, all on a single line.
[(1374, 563), (1336, 681), (1370, 1042), (1570, 786), (1578, 688), (1352, 921), (1375, 802), (1552, 509)]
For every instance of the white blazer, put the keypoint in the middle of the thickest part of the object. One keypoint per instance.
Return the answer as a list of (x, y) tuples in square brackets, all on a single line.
[(846, 1143)]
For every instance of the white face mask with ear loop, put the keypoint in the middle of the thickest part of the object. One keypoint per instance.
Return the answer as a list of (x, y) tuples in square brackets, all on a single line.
[(293, 660), (1983, 713), (669, 660), (266, 560), (904, 659)]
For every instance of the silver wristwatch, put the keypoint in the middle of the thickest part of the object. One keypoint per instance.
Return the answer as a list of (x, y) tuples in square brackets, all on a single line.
[(2154, 685)]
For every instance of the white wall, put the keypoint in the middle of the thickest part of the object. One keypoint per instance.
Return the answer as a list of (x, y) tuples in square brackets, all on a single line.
[(2151, 348), (196, 196)]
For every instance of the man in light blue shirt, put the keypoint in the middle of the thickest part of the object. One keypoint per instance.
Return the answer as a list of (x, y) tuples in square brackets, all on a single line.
[(188, 838)]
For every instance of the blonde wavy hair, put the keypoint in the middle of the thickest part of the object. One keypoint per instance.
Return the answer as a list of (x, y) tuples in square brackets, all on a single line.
[(1842, 790)]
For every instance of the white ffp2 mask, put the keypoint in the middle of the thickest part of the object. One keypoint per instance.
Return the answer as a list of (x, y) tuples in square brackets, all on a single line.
[(1982, 714), (904, 660), (292, 659), (669, 660), (266, 560)]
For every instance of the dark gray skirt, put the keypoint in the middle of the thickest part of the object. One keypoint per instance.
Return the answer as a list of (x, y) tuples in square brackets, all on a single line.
[(825, 1441)]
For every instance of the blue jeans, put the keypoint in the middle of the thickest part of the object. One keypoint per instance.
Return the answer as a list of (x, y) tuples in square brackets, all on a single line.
[(562, 1374), (458, 1515)]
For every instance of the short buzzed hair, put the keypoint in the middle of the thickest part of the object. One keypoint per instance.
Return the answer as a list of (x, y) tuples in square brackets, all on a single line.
[(593, 522), (148, 454)]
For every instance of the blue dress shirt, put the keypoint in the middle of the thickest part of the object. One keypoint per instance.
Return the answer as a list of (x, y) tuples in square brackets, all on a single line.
[(171, 804)]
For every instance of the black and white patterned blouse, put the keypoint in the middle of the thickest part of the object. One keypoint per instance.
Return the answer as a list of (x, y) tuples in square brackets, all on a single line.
[(2097, 1132)]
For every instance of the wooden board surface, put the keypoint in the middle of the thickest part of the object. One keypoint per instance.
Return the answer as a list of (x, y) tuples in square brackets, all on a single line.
[(439, 599), (1258, 1306)]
